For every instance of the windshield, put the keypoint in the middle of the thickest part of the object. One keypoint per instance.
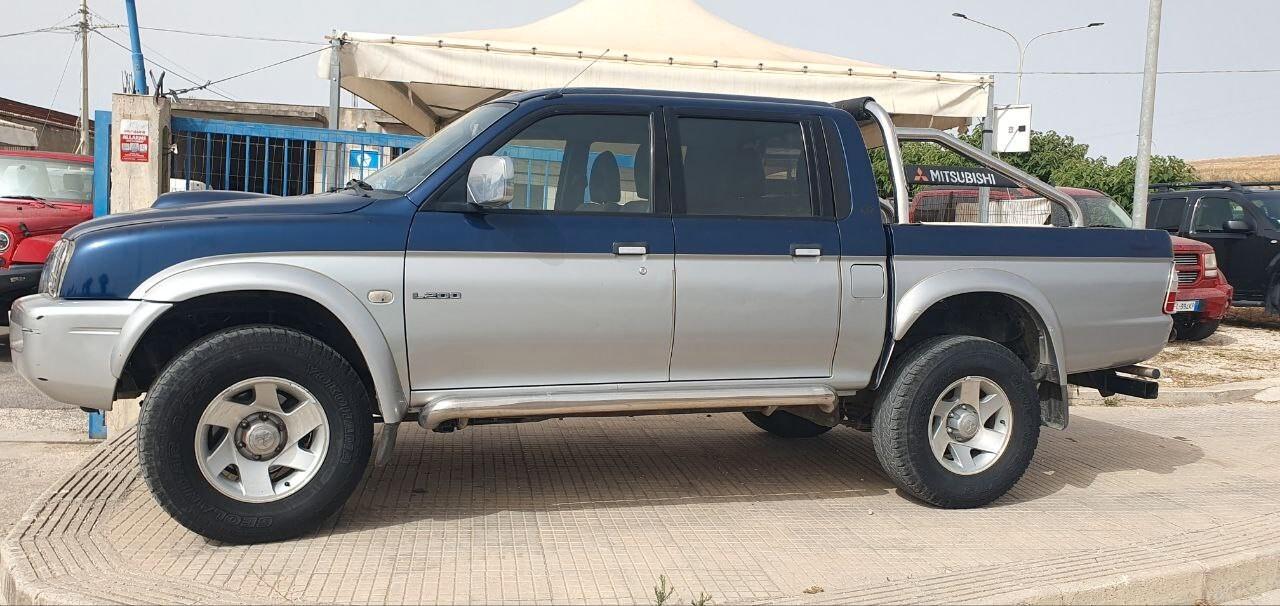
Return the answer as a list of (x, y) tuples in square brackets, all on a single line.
[(1101, 211), (414, 166), (45, 179), (1270, 206)]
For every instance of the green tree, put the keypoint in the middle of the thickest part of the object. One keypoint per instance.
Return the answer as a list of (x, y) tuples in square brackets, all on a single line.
[(1054, 158)]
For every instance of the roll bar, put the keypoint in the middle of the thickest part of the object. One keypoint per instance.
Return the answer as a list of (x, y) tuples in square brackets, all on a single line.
[(893, 137)]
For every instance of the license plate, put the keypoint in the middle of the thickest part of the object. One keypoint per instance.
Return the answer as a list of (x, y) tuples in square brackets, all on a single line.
[(1186, 306)]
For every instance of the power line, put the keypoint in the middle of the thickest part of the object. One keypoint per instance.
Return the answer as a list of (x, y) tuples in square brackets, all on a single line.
[(162, 66), (232, 36), (194, 78), (56, 90), (253, 71)]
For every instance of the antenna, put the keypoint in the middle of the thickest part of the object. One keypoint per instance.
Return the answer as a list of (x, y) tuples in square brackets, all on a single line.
[(560, 93)]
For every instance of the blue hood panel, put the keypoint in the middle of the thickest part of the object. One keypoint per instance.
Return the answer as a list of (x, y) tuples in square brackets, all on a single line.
[(115, 254), (315, 204)]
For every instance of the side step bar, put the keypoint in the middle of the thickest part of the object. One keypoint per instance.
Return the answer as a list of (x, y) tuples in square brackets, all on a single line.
[(457, 411)]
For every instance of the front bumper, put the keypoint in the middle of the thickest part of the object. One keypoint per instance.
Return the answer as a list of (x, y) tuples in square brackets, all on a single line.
[(1214, 301), (17, 278), (66, 348)]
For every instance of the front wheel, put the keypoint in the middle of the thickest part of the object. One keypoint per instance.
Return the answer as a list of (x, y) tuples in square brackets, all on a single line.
[(956, 421), (255, 434)]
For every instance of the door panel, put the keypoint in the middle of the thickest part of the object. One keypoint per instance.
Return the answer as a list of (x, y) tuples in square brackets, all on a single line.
[(757, 254), (1207, 223), (572, 284), (543, 300), (746, 308)]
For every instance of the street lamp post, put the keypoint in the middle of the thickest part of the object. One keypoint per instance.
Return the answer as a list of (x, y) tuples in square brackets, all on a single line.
[(1022, 48)]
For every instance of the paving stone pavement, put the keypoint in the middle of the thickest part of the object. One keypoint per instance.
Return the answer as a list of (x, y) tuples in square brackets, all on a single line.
[(592, 511)]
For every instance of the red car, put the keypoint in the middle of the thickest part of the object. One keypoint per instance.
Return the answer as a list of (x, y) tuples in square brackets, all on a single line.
[(42, 194), (1204, 296)]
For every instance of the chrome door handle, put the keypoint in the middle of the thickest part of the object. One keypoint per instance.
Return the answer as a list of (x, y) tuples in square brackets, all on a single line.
[(630, 248), (806, 250)]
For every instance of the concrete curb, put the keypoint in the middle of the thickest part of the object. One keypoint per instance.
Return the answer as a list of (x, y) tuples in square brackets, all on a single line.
[(19, 583)]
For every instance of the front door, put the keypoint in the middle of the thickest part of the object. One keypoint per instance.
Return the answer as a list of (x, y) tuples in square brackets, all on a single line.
[(1209, 225), (757, 249), (572, 284)]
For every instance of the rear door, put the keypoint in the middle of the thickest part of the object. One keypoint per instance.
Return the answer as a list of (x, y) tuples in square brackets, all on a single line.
[(757, 247)]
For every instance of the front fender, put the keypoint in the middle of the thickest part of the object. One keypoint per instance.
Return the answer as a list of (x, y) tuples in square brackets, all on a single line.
[(937, 287), (212, 276), (35, 249)]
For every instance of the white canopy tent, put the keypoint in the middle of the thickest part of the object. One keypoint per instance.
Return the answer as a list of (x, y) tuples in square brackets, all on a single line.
[(651, 44)]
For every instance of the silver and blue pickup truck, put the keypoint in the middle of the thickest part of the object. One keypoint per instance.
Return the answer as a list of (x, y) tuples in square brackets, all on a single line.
[(589, 252)]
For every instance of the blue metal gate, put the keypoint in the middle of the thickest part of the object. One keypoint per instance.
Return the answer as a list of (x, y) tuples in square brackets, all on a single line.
[(273, 158)]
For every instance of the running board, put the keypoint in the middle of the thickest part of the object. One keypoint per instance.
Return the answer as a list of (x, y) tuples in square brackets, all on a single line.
[(457, 411)]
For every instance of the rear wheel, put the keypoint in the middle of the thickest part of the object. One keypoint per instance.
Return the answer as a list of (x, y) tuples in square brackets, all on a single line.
[(956, 422), (786, 425), (1195, 330), (255, 434)]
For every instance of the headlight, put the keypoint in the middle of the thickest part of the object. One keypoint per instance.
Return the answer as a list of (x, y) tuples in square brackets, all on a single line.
[(55, 267), (1211, 264), (5, 240)]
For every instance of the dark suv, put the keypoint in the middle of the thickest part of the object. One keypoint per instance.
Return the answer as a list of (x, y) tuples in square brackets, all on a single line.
[(1241, 221)]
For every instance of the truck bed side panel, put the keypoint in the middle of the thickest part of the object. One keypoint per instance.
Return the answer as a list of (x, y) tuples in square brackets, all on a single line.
[(1105, 286)]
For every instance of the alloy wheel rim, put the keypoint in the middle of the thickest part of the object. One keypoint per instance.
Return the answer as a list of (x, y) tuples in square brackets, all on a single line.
[(970, 425), (261, 439)]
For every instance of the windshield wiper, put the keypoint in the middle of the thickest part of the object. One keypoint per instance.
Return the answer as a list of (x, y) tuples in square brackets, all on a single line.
[(358, 185), (36, 199)]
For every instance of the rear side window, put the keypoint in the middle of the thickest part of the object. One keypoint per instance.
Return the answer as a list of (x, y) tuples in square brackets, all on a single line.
[(1166, 214), (745, 168)]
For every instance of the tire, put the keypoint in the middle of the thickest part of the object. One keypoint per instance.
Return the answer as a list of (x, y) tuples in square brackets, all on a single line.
[(240, 373), (906, 416), (786, 425), (1195, 331)]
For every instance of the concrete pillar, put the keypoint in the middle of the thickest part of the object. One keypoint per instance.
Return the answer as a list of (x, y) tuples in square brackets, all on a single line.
[(140, 134)]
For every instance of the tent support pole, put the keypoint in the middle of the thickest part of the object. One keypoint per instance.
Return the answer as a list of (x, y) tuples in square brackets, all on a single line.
[(335, 98), (988, 144)]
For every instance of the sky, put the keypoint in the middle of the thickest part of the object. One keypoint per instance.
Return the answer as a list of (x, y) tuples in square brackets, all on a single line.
[(1197, 116)]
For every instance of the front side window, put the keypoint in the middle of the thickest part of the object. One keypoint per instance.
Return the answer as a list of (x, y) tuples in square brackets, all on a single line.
[(745, 168), (593, 163), (1212, 214), (1166, 214), (36, 178), (1270, 207)]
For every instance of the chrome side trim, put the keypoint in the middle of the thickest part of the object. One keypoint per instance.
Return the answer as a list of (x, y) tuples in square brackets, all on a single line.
[(464, 408)]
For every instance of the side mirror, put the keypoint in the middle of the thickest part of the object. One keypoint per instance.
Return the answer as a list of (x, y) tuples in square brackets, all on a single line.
[(1237, 226), (492, 181)]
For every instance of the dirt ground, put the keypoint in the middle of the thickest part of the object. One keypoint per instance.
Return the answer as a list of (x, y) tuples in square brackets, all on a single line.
[(1245, 348)]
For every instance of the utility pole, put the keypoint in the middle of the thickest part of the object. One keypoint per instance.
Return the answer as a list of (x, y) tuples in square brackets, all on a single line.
[(139, 68), (335, 104), (989, 146), (1142, 177), (84, 77)]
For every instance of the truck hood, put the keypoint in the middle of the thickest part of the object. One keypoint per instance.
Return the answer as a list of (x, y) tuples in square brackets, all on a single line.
[(315, 204), (1188, 245), (41, 218)]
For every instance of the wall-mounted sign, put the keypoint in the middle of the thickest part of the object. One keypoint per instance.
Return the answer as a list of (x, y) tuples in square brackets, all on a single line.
[(135, 141), (1013, 129), (364, 160), (921, 174)]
